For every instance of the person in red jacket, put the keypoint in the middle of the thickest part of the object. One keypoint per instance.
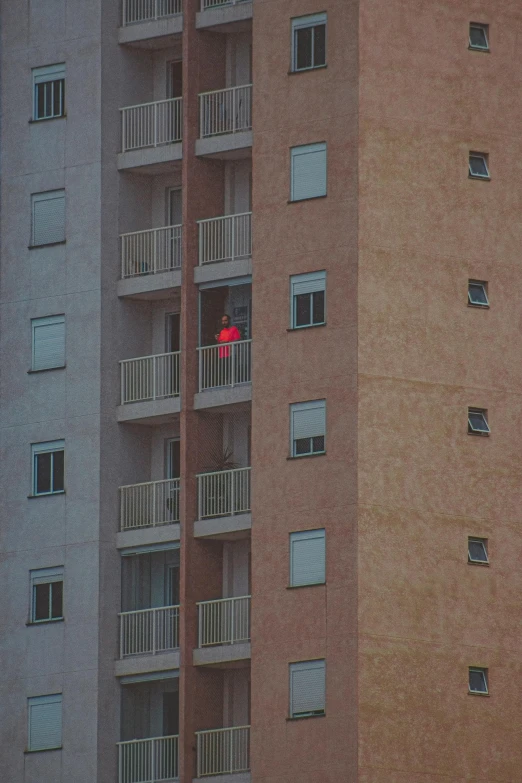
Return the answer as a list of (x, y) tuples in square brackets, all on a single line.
[(228, 334)]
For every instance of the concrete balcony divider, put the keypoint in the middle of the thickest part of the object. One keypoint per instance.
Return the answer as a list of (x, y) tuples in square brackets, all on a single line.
[(223, 751), (228, 364), (150, 252), (149, 378), (223, 493), (149, 631), (151, 124), (148, 760), (226, 238), (225, 111), (149, 504), (225, 621), (136, 11)]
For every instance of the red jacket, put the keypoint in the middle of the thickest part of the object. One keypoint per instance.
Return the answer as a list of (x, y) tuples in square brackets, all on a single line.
[(227, 335)]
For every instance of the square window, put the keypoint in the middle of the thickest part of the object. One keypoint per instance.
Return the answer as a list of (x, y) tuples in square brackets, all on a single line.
[(478, 36), (307, 428), (478, 165), (307, 688), (48, 217), (307, 299), (307, 558), (478, 293), (48, 467), (308, 42), (48, 342), (45, 722), (477, 550), (49, 92), (478, 680), (478, 422), (46, 595), (308, 172)]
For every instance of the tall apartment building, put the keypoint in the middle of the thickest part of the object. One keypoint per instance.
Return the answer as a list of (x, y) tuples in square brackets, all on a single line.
[(294, 556)]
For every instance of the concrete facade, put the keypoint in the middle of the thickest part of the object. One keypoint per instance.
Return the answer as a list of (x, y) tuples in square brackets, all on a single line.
[(402, 616)]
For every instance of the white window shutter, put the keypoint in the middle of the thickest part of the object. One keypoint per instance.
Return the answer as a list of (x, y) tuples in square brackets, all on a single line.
[(48, 217), (308, 419), (48, 342), (308, 172), (49, 73), (309, 283), (307, 557), (45, 722), (307, 687), (44, 576)]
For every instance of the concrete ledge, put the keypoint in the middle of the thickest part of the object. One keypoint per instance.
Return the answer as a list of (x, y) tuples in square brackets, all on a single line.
[(161, 534), (227, 395), (227, 14), (154, 34), (151, 160), (222, 270), (144, 664), (150, 412), (238, 777), (228, 146), (223, 527), (221, 654), (150, 286)]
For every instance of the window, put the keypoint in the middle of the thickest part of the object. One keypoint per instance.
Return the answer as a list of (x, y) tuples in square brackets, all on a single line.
[(48, 337), (48, 467), (308, 172), (49, 92), (45, 722), (478, 293), (307, 428), (308, 42), (477, 550), (307, 299), (307, 688), (477, 422), (307, 558), (478, 165), (478, 36), (46, 595), (478, 680), (48, 217)]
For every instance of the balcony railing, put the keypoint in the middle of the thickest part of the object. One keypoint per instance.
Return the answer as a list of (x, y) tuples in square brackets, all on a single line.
[(225, 111), (136, 11), (150, 504), (224, 493), (149, 378), (225, 238), (151, 251), (227, 364), (149, 631), (223, 751), (151, 124), (216, 3), (148, 760), (226, 621)]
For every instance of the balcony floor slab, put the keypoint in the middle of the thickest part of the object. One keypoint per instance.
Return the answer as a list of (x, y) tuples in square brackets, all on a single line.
[(222, 270), (146, 664), (223, 396), (236, 777), (158, 286), (150, 412), (223, 656), (224, 528), (147, 536), (228, 146), (237, 17), (153, 34), (151, 160)]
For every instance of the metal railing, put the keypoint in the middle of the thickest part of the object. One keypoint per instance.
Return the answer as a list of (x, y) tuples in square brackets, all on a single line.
[(225, 238), (223, 493), (151, 124), (151, 251), (215, 3), (150, 504), (149, 631), (135, 11), (225, 364), (225, 111), (225, 621), (223, 751), (149, 378), (148, 760)]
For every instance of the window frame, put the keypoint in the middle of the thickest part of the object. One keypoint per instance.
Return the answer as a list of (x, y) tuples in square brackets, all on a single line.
[(306, 405), (47, 195), (42, 576), (471, 429), (36, 323), (46, 447), (484, 156), (484, 543), (53, 75), (310, 21), (485, 29), (306, 535), (34, 701), (320, 277), (317, 663), (306, 149), (485, 674), (484, 286)]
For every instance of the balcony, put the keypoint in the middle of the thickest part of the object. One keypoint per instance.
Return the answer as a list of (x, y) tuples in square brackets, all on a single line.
[(223, 631), (150, 263), (151, 504), (225, 374), (150, 388), (151, 136), (225, 15), (223, 504), (150, 24), (149, 631), (148, 760), (225, 118), (223, 752), (225, 248)]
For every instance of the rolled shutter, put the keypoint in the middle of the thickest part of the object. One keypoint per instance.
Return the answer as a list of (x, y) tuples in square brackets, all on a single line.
[(48, 342), (47, 575), (307, 688), (308, 172), (309, 283), (48, 217), (49, 73), (308, 420), (45, 722), (307, 558)]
